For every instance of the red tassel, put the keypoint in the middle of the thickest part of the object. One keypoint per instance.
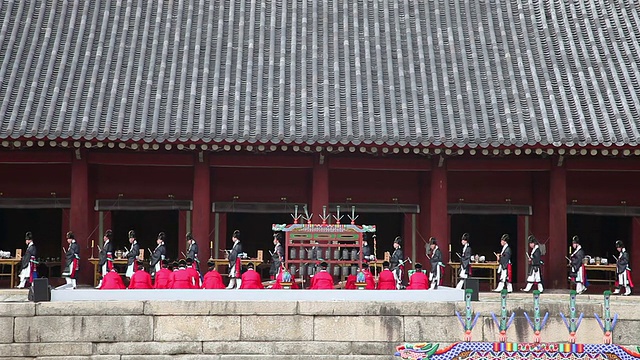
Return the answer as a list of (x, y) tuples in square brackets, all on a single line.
[(74, 267)]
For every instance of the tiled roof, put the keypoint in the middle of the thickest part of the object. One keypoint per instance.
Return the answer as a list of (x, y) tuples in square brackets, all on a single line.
[(405, 72)]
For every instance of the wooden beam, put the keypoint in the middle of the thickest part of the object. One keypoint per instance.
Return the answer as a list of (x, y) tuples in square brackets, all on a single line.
[(515, 164), (590, 164), (142, 204), (489, 209), (35, 157), (140, 159), (261, 161), (35, 203), (254, 207), (369, 163)]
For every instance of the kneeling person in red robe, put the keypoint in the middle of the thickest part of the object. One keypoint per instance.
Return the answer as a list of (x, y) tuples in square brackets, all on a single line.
[(195, 276), (212, 279), (162, 276), (418, 280), (112, 281), (386, 281), (140, 279), (181, 279), (322, 280), (278, 284), (369, 279), (350, 284), (251, 279)]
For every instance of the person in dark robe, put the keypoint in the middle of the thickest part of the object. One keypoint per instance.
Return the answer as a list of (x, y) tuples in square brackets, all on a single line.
[(465, 261), (132, 254), (623, 271), (277, 257), (105, 256), (72, 259), (397, 262), (578, 273), (535, 262), (235, 263), (435, 258), (504, 268), (28, 262), (159, 253)]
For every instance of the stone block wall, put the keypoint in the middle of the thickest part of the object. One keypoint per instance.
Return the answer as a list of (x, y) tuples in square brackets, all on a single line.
[(286, 330)]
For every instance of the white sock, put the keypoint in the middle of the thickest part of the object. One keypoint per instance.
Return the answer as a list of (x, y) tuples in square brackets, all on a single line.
[(460, 284), (232, 284)]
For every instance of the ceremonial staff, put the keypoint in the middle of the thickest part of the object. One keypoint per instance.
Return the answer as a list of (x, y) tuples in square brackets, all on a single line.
[(375, 255)]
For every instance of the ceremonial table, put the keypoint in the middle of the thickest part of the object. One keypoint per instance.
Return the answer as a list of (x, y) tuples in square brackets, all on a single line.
[(13, 274), (225, 262), (608, 270), (97, 274), (493, 272), (377, 264)]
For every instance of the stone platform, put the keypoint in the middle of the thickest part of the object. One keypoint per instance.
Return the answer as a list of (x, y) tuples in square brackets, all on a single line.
[(284, 329), (443, 294)]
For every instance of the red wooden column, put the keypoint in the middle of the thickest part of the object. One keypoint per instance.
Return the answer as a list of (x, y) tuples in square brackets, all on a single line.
[(201, 216), (320, 188), (438, 216), (408, 239), (423, 231), (183, 225), (221, 239), (557, 245), (633, 247), (518, 257), (80, 212), (539, 226)]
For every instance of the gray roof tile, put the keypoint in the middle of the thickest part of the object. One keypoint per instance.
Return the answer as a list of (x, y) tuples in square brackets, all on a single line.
[(452, 73)]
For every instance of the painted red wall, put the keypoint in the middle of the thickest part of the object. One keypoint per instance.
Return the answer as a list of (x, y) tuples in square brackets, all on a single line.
[(603, 188), (489, 187), (31, 180), (142, 182), (261, 185), (367, 186)]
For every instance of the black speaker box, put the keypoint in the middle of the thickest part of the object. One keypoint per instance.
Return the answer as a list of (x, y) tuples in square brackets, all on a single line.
[(40, 290), (473, 284)]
